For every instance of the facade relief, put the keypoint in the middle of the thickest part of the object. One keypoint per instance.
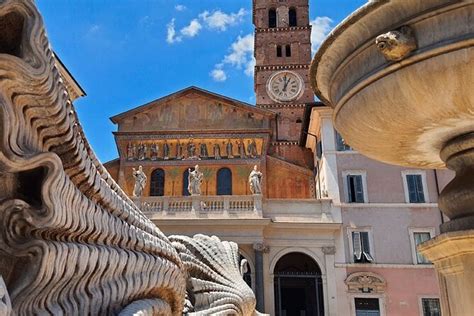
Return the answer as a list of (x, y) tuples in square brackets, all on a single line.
[(192, 149), (199, 113)]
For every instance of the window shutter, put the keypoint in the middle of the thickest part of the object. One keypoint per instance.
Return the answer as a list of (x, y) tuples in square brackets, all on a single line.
[(366, 246), (359, 189), (357, 245), (411, 183), (419, 189), (350, 188)]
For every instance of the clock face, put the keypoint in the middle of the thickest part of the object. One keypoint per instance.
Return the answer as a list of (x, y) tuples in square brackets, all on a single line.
[(285, 86)]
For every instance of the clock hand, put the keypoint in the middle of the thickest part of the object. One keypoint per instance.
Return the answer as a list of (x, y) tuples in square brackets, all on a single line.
[(285, 83)]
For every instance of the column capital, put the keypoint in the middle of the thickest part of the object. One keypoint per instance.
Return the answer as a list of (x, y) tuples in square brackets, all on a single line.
[(330, 250), (262, 247)]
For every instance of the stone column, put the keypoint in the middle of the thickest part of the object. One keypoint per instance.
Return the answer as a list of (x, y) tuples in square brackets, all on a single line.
[(259, 248), (330, 291)]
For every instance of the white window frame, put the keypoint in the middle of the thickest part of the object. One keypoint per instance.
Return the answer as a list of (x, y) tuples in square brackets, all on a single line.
[(420, 301), (380, 297), (422, 173), (350, 230), (362, 173), (411, 232)]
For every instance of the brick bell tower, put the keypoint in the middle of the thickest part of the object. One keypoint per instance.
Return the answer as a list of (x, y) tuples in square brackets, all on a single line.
[(283, 56)]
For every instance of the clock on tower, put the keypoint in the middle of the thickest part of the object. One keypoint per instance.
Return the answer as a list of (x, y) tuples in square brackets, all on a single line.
[(283, 56)]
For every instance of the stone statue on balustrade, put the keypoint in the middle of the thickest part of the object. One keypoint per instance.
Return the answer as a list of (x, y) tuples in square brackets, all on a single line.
[(241, 147), (217, 151), (252, 149), (166, 150), (140, 181), (130, 151), (179, 150), (255, 181), (154, 151), (203, 151), (229, 148), (195, 178)]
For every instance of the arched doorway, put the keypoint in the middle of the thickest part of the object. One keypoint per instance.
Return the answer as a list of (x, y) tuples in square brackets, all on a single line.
[(298, 286), (224, 182)]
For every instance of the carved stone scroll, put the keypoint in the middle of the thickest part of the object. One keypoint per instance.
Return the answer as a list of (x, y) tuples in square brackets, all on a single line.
[(215, 284), (365, 282), (71, 241)]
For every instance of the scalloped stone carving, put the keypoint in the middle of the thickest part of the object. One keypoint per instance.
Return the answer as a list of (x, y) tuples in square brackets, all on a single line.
[(365, 282)]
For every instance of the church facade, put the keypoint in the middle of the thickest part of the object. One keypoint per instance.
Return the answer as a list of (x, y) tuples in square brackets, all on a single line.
[(332, 232)]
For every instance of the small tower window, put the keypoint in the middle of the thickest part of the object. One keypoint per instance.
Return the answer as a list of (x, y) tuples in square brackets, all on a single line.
[(292, 17), (272, 18), (288, 50), (278, 50)]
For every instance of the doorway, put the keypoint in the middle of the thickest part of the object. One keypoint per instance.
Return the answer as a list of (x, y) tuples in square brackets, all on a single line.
[(298, 286)]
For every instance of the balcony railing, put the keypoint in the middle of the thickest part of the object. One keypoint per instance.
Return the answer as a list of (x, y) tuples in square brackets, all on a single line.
[(191, 206)]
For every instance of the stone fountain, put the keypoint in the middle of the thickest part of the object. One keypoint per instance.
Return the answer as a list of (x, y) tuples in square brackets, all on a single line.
[(400, 77), (71, 240)]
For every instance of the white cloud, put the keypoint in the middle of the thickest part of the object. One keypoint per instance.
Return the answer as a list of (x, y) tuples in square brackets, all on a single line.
[(192, 29), (171, 33), (321, 26), (250, 67), (240, 51), (220, 20), (240, 56), (218, 75), (179, 7)]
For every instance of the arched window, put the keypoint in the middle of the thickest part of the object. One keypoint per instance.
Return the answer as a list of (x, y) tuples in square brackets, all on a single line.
[(292, 17), (278, 50), (298, 286), (157, 183), (185, 182), (224, 181), (288, 50), (272, 18)]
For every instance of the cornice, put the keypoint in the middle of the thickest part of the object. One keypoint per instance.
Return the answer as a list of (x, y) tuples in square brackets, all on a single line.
[(282, 67), (284, 143), (281, 105), (283, 29)]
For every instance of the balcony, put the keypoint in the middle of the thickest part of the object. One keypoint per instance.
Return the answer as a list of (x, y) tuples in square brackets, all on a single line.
[(201, 206)]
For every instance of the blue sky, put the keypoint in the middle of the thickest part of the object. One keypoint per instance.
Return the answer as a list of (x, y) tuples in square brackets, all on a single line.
[(125, 53)]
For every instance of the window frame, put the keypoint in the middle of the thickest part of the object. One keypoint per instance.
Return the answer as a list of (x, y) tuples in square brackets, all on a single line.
[(380, 297), (156, 171), (346, 146), (365, 229), (362, 173), (288, 50), (295, 17), (279, 51), (411, 232), (421, 173), (276, 18), (420, 302), (224, 169)]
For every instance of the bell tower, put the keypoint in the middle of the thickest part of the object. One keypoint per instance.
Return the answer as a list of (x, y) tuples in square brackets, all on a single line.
[(283, 56)]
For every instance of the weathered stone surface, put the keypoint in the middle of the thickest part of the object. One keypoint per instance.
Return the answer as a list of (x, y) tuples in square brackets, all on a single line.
[(215, 284), (71, 241)]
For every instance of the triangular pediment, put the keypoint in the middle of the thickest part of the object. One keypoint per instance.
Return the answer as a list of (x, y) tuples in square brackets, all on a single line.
[(193, 109)]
